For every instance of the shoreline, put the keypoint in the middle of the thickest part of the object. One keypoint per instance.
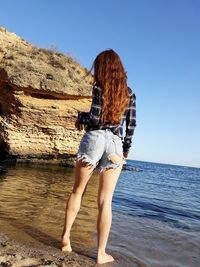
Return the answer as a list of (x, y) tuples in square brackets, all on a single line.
[(61, 162), (29, 252)]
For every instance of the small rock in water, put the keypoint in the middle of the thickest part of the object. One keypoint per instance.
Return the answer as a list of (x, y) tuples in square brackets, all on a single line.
[(130, 168), (2, 170), (5, 264), (47, 262), (4, 244)]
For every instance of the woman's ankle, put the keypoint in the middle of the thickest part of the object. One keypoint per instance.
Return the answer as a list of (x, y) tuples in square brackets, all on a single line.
[(66, 236), (101, 252), (103, 257), (66, 243)]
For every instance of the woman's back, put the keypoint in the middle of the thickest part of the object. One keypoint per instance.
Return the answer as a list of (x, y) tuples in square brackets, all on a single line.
[(91, 119)]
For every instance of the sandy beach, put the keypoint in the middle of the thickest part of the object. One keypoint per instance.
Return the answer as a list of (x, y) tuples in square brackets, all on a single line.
[(16, 254), (18, 249)]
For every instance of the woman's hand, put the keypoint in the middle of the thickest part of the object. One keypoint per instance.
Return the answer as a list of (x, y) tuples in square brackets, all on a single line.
[(79, 126), (125, 155)]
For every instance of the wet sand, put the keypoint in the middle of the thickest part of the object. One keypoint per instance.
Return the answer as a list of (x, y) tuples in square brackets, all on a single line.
[(23, 251), (13, 253)]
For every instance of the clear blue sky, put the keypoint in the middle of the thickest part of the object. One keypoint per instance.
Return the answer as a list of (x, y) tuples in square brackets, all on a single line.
[(159, 44)]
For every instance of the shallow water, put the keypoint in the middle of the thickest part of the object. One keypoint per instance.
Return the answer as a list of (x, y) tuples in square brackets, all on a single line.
[(156, 212)]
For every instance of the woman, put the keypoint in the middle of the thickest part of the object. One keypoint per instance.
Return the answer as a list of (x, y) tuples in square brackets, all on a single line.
[(102, 145)]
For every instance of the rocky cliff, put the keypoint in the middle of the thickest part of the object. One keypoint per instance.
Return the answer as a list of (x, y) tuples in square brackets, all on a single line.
[(41, 92)]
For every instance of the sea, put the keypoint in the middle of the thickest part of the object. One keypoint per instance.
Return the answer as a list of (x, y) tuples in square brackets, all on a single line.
[(156, 212)]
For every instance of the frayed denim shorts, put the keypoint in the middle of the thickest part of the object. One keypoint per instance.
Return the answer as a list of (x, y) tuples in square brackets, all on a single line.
[(101, 149)]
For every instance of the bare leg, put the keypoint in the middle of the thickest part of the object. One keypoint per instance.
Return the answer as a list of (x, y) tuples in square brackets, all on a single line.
[(82, 176), (107, 182)]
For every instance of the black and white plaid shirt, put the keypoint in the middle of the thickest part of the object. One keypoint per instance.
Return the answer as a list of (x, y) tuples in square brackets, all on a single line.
[(91, 119)]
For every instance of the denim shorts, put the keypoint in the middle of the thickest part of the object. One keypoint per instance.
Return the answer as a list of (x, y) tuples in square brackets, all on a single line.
[(101, 149)]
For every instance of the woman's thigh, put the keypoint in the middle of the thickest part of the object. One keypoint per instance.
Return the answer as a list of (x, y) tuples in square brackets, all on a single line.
[(83, 173), (107, 182)]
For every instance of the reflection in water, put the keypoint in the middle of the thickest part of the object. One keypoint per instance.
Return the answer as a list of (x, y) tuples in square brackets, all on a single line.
[(34, 199)]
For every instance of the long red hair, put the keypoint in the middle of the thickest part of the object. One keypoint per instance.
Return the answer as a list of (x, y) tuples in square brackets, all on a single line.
[(110, 76)]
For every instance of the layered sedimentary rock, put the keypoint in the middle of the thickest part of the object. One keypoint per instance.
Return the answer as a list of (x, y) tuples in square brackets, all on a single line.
[(41, 92)]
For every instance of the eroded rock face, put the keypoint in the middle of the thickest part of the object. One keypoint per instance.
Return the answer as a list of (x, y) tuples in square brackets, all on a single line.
[(41, 92)]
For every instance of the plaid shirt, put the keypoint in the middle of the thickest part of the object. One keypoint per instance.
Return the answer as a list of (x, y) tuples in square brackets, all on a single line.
[(91, 119)]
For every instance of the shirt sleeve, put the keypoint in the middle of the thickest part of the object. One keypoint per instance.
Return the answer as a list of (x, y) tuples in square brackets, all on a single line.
[(130, 124), (92, 118)]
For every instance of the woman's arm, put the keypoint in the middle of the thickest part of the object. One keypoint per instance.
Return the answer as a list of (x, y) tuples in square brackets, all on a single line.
[(92, 118), (130, 124)]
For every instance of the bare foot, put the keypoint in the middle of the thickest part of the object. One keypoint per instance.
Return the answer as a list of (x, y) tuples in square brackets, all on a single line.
[(104, 258), (65, 244)]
